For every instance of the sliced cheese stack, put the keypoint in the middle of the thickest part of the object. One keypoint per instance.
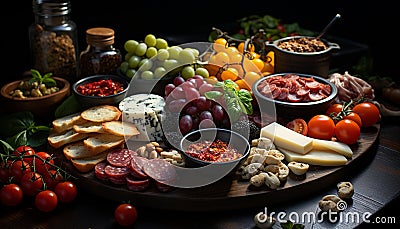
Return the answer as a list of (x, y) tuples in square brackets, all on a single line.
[(145, 111), (300, 148)]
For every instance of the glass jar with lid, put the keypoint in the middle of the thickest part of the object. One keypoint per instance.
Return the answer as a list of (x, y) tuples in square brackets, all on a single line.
[(100, 56), (54, 39)]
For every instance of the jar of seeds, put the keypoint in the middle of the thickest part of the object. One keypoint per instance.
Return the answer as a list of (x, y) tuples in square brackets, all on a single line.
[(100, 56), (53, 39)]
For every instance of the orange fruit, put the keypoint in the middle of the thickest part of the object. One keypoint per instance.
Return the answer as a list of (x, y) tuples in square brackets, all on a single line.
[(220, 44), (267, 67), (258, 63), (230, 73), (242, 84)]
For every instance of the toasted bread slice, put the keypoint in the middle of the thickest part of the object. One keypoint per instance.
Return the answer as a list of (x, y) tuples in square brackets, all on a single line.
[(120, 128), (102, 113), (87, 164), (57, 140), (103, 142), (89, 127), (78, 150), (66, 123)]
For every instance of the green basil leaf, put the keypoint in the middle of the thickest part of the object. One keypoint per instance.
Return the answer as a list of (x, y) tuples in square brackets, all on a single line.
[(7, 148), (49, 82), (15, 122), (18, 140), (38, 138), (213, 95)]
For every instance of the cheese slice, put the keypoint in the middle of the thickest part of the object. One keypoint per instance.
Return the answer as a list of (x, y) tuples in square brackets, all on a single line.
[(287, 138), (315, 157), (338, 147)]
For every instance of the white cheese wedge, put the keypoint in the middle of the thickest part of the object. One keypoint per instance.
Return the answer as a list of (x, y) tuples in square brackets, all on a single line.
[(287, 138), (316, 157), (338, 147)]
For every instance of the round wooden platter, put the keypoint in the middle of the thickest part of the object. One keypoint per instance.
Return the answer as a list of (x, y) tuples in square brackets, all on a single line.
[(230, 192)]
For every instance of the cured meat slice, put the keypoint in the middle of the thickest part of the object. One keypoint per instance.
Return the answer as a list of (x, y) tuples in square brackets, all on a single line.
[(163, 187), (294, 97), (302, 91), (114, 172), (283, 95), (136, 185), (160, 170), (117, 180), (136, 167), (120, 157), (315, 96), (99, 171)]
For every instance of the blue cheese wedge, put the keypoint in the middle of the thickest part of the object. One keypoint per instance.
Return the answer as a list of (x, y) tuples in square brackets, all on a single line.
[(146, 112)]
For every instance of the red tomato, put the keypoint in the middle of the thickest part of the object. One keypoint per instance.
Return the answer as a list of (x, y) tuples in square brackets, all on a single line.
[(334, 109), (11, 195), (299, 125), (321, 127), (51, 178), (5, 171), (26, 152), (125, 214), (31, 183), (46, 201), (18, 168), (368, 112), (355, 117), (347, 131), (66, 191), (42, 166)]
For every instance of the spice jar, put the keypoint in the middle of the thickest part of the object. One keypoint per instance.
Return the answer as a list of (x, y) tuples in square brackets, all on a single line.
[(53, 39), (100, 56)]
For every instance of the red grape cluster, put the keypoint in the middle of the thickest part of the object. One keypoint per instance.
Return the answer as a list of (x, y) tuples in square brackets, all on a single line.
[(187, 99)]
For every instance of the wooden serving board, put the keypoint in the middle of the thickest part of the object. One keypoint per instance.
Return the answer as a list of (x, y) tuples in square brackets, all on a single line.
[(230, 192)]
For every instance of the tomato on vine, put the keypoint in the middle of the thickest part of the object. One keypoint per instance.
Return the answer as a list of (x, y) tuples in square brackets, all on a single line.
[(368, 112), (321, 127), (11, 195), (44, 163), (26, 152), (347, 131), (66, 191), (46, 201), (18, 169), (31, 183), (125, 214)]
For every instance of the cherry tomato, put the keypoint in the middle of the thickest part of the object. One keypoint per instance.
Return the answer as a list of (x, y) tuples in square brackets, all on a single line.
[(347, 131), (52, 178), (11, 195), (66, 191), (5, 171), (26, 152), (31, 183), (334, 109), (46, 201), (18, 168), (125, 214), (368, 112), (321, 127), (299, 125), (43, 166), (355, 117)]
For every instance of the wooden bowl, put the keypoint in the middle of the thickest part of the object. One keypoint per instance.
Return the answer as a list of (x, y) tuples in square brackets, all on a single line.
[(41, 107)]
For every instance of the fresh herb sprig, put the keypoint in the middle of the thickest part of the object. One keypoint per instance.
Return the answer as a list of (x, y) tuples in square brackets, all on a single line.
[(45, 79)]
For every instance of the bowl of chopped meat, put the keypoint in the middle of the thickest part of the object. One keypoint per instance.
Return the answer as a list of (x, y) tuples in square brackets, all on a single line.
[(294, 95), (302, 54)]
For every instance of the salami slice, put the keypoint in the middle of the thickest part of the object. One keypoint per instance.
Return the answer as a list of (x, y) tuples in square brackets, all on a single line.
[(136, 185), (160, 170), (136, 167), (99, 171), (163, 187), (114, 172), (119, 157), (117, 180)]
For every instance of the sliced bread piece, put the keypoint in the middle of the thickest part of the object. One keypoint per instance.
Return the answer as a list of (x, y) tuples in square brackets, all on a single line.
[(78, 150), (67, 122), (57, 140), (102, 142), (89, 127), (102, 113), (85, 165), (120, 128)]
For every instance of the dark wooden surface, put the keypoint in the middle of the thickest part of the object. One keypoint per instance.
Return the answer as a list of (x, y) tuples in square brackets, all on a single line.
[(375, 178)]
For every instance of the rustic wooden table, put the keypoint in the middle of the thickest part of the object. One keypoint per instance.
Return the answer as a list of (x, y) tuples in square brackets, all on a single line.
[(376, 179)]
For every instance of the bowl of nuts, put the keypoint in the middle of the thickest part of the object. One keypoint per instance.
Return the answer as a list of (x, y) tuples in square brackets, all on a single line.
[(37, 94), (302, 54)]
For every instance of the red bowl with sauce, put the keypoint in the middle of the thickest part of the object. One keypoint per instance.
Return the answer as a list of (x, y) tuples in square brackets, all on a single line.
[(215, 146), (293, 95), (100, 90)]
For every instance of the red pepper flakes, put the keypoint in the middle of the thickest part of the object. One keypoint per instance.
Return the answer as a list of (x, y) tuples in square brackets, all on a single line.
[(216, 151), (101, 88)]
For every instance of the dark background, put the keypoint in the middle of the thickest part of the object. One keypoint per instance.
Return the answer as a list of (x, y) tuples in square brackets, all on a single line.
[(372, 24)]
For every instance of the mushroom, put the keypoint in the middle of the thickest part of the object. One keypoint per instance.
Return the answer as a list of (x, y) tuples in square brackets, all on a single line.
[(345, 190), (329, 203), (273, 157), (283, 171), (265, 143), (263, 221), (258, 180), (271, 180), (250, 170), (257, 158), (298, 168)]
